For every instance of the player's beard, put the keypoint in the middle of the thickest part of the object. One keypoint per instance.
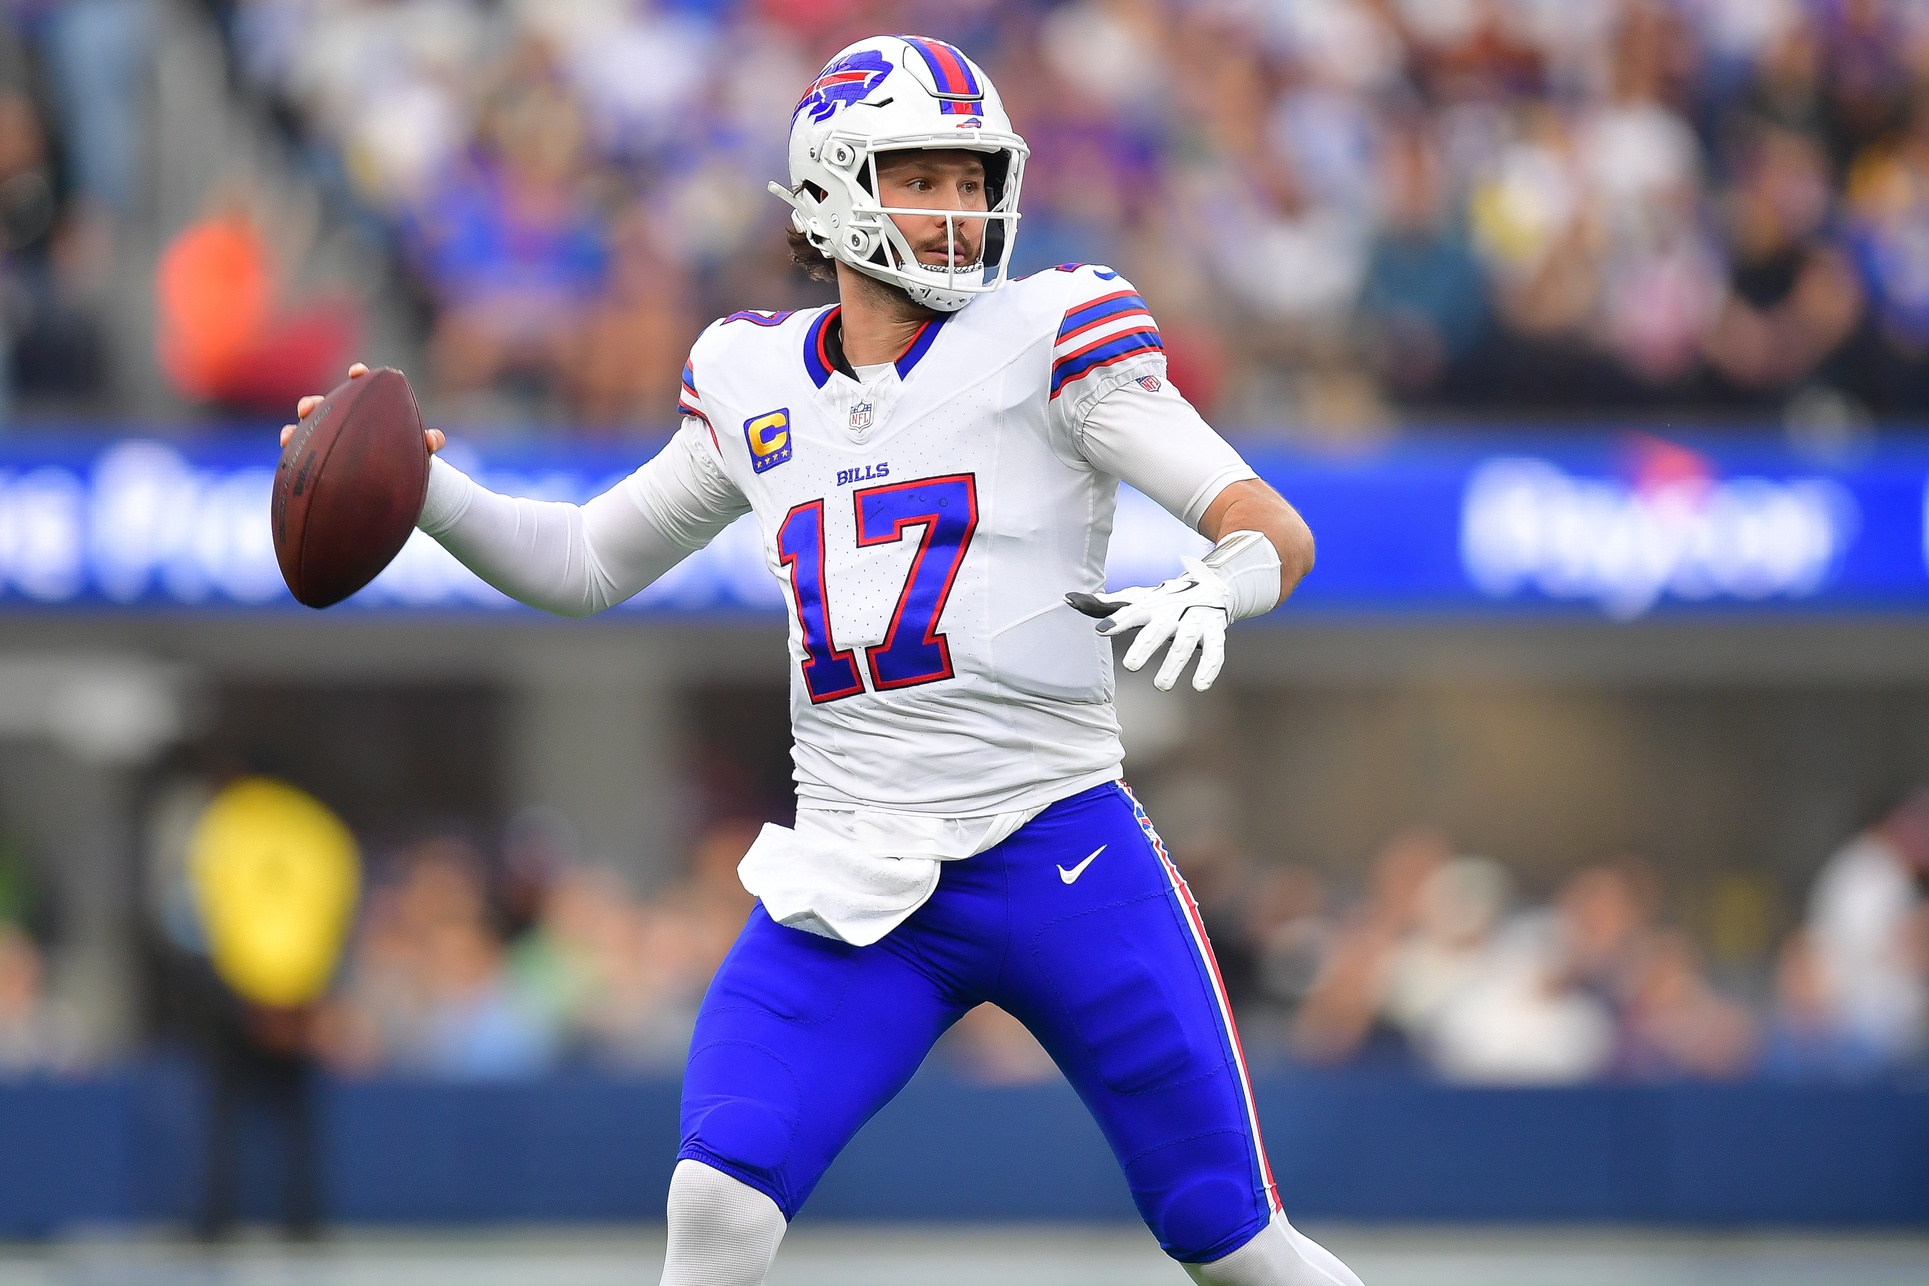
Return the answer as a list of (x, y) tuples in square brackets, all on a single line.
[(969, 255), (894, 296), (887, 293)]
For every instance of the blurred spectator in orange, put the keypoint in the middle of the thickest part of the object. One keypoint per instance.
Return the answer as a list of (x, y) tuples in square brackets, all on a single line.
[(1865, 916), (226, 335)]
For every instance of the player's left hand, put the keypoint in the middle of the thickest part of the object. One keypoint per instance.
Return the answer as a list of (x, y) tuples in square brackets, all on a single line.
[(1190, 611)]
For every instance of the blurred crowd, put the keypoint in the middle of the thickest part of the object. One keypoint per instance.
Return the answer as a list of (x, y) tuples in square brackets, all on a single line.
[(468, 969), (1342, 210), (72, 78), (472, 965), (1439, 965), (1346, 213)]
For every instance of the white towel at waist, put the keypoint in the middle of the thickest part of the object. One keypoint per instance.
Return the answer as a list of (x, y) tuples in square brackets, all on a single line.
[(857, 875)]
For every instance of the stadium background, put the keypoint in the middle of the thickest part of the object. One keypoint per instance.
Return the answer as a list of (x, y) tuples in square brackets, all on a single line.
[(1588, 333)]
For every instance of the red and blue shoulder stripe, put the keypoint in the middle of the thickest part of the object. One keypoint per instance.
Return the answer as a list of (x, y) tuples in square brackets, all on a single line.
[(1102, 331), (688, 403), (1108, 308), (1104, 352)]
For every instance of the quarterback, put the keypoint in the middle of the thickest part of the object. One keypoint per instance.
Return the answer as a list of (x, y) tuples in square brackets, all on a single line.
[(933, 463)]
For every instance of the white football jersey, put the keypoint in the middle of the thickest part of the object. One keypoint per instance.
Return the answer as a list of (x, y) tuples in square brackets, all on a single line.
[(927, 526)]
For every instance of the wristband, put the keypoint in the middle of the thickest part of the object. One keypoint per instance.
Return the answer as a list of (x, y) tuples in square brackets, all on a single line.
[(1249, 565)]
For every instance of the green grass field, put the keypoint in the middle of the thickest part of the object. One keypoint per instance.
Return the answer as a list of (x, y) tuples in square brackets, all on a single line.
[(831, 1255)]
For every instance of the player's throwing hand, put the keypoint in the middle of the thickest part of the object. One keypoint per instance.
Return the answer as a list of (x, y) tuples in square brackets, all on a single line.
[(434, 437)]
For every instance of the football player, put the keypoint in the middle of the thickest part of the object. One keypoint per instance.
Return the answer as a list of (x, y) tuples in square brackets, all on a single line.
[(933, 463)]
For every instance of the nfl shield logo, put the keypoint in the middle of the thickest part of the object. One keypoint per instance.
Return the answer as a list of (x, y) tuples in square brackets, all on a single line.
[(861, 416), (1150, 383)]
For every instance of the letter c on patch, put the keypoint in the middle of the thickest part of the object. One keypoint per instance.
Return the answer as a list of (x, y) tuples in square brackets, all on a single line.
[(768, 436)]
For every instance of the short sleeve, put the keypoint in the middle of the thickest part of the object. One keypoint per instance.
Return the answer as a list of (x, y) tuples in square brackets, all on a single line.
[(1151, 437), (1106, 338)]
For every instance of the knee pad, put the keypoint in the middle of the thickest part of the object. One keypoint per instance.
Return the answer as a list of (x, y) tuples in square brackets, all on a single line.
[(1206, 1218), (747, 1133), (751, 1124)]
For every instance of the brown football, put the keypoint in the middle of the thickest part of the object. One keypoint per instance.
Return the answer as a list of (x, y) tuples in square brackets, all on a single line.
[(349, 487)]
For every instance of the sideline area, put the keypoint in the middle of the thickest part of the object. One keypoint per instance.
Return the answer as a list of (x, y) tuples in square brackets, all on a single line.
[(125, 1150), (846, 1255)]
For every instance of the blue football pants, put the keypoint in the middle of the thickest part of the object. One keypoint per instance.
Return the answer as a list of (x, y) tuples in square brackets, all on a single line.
[(801, 1039)]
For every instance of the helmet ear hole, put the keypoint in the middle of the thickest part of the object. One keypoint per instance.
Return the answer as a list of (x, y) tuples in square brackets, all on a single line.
[(997, 171), (993, 253)]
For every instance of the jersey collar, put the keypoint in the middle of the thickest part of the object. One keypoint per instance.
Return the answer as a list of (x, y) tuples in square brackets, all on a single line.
[(823, 353), (824, 348)]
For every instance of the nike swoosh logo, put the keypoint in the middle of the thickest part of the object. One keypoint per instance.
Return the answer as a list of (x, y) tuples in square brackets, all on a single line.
[(1076, 871)]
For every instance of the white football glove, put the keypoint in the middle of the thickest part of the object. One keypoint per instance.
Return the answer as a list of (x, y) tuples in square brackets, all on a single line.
[(1239, 578)]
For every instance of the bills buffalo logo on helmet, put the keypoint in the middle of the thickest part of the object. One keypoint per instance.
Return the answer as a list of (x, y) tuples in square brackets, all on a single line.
[(845, 81)]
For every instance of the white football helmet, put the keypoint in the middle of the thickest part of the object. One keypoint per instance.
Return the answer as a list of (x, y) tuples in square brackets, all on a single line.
[(885, 94)]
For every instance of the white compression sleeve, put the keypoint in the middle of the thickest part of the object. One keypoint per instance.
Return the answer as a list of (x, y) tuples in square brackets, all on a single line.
[(1157, 442), (1281, 1255), (578, 559), (723, 1232)]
